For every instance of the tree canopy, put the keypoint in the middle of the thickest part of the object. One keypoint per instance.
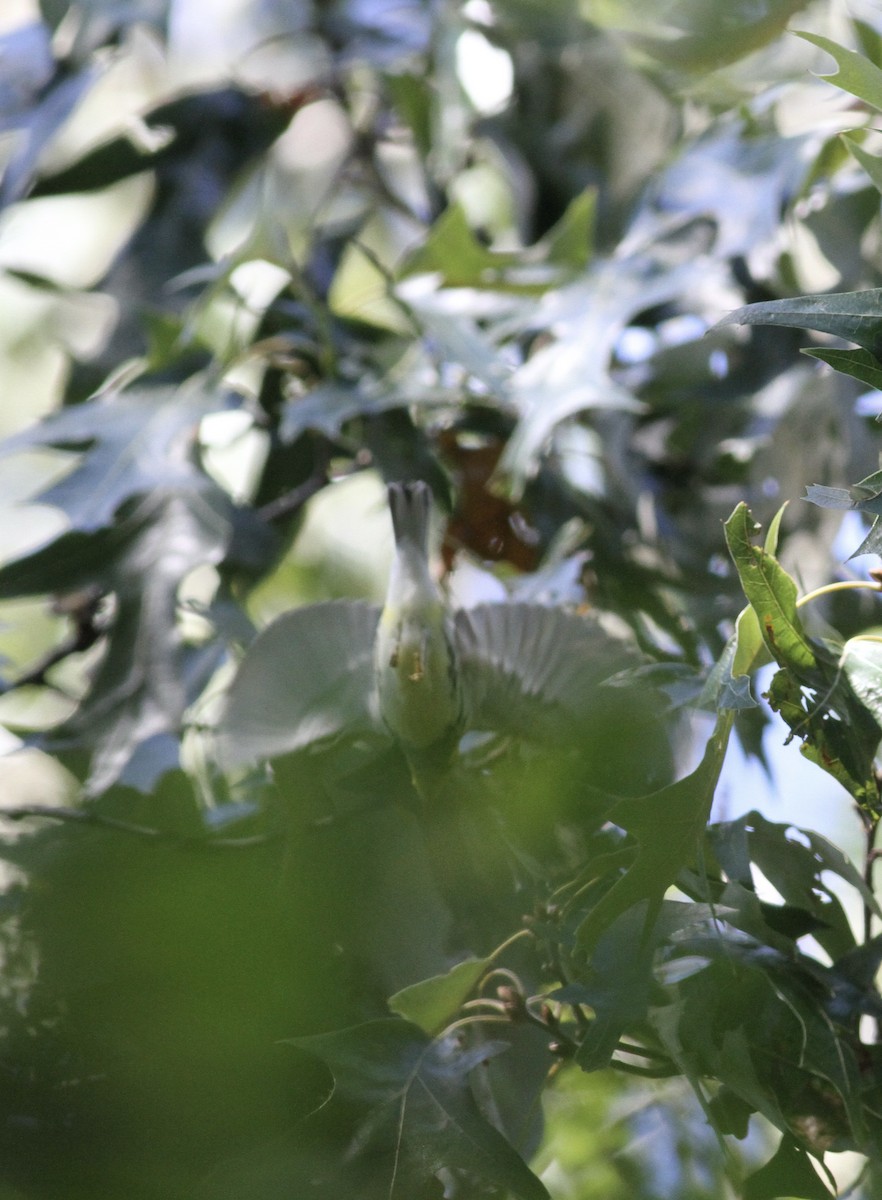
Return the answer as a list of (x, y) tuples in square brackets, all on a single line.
[(607, 277)]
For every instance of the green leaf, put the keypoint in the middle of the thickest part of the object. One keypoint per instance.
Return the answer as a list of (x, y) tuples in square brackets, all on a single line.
[(871, 163), (812, 694), (686, 806), (788, 1173), (570, 242), (856, 74), (423, 1117), (865, 497), (862, 662), (432, 1003), (453, 252), (712, 37), (615, 984), (859, 364), (412, 96), (772, 595), (853, 316)]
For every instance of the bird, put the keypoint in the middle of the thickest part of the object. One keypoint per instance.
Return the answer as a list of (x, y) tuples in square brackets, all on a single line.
[(416, 667), (420, 674)]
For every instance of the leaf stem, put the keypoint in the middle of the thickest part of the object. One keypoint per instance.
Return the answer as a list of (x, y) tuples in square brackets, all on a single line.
[(841, 585)]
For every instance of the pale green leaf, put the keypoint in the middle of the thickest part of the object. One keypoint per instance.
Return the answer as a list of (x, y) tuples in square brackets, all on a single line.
[(433, 1003), (856, 74), (871, 163)]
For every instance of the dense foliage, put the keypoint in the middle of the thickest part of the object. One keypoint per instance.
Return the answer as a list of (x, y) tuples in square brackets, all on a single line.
[(558, 261)]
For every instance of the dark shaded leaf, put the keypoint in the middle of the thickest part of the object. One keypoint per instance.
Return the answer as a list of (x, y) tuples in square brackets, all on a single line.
[(67, 563), (788, 1173), (424, 1116), (615, 985), (686, 805)]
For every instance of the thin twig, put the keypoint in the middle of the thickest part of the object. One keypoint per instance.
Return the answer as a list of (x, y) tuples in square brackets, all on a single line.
[(293, 500), (85, 634), (871, 856), (145, 832)]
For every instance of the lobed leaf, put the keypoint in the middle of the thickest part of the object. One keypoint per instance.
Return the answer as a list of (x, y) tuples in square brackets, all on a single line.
[(423, 1115), (685, 806), (855, 74)]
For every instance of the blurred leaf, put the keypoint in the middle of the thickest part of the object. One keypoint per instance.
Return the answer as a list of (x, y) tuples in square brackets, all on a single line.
[(871, 163), (424, 1117), (70, 562), (132, 443), (28, 65), (181, 123), (130, 720), (865, 497), (412, 98), (571, 372), (453, 252), (329, 405), (710, 39), (739, 182), (38, 126), (433, 1003), (854, 316), (862, 662), (856, 74), (570, 242)]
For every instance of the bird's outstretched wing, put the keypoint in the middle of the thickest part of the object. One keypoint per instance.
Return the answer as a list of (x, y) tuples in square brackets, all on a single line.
[(306, 678), (534, 671)]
